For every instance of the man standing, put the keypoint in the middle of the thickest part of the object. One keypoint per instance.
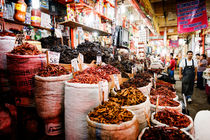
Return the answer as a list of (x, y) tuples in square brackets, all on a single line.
[(188, 73), (171, 66), (197, 57), (202, 64)]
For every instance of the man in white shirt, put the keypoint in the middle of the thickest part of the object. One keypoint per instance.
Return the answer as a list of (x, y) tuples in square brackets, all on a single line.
[(188, 74)]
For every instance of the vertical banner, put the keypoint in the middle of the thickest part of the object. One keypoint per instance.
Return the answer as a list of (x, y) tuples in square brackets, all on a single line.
[(191, 16), (174, 43)]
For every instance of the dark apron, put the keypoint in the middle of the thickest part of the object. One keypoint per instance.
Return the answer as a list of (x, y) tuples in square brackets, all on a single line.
[(188, 79)]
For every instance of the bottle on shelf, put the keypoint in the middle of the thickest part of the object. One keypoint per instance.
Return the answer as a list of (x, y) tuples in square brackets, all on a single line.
[(20, 11)]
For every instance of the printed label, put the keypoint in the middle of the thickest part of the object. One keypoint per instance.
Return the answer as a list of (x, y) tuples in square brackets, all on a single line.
[(20, 7), (53, 57), (98, 60), (81, 58), (35, 19), (116, 80), (53, 129), (74, 65)]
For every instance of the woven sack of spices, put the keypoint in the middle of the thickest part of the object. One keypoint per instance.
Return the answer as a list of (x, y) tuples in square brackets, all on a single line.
[(21, 71), (165, 102), (81, 95), (162, 132), (114, 129), (179, 120)]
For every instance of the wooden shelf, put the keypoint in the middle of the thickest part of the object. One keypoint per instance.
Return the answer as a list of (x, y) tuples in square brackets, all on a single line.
[(84, 27), (24, 24)]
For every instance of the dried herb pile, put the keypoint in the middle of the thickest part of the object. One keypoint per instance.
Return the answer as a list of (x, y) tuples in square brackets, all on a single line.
[(53, 70), (164, 133), (86, 79), (164, 101), (172, 118), (163, 91), (110, 113), (129, 96), (26, 49)]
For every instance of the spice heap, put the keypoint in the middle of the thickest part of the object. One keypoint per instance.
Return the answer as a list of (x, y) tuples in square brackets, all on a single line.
[(86, 79), (164, 101), (96, 71), (164, 133), (128, 96), (135, 82), (163, 83), (163, 91), (143, 75), (172, 118), (109, 69), (26, 49), (53, 70), (110, 113)]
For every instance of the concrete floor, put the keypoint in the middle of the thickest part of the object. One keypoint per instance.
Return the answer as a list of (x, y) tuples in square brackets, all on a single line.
[(199, 98)]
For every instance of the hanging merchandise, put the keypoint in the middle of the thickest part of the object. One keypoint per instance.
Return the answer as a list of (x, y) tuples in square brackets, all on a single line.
[(20, 11)]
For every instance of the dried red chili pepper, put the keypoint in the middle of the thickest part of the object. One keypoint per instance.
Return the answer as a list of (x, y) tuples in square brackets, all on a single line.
[(6, 34), (143, 75), (26, 49), (164, 133), (86, 79), (172, 118), (128, 96), (164, 101), (110, 113), (53, 70), (162, 91), (109, 69)]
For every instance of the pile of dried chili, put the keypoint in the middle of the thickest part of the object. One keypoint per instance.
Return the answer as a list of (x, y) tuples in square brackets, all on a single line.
[(128, 96), (172, 118), (6, 34), (86, 79), (53, 70), (26, 49), (135, 82), (110, 113), (109, 69), (164, 101), (143, 75), (95, 71), (163, 91), (161, 82), (164, 133)]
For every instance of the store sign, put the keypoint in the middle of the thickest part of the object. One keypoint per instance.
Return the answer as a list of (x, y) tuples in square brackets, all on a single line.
[(174, 43), (98, 60), (74, 64), (191, 16)]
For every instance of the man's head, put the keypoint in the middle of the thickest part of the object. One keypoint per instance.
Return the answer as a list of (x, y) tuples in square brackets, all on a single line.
[(171, 55), (189, 54), (203, 56), (197, 56)]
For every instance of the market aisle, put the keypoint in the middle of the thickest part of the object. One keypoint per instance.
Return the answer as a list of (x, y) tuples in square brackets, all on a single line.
[(199, 98)]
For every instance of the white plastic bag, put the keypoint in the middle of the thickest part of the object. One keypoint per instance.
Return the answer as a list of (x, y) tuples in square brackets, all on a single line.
[(156, 122), (142, 111), (125, 131), (79, 100), (146, 89)]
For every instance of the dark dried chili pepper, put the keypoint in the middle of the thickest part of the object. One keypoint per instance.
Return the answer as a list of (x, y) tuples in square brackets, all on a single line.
[(172, 118), (110, 113), (26, 49), (163, 91), (53, 70), (109, 69), (164, 133), (136, 83)]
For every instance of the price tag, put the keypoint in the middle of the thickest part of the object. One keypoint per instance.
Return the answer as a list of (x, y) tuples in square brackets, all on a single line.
[(53, 129), (116, 80), (98, 60), (53, 57), (119, 57), (74, 65), (101, 92), (81, 58)]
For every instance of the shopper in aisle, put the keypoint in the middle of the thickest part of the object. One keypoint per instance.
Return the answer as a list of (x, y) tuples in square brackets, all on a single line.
[(197, 57), (202, 64), (171, 66), (188, 73)]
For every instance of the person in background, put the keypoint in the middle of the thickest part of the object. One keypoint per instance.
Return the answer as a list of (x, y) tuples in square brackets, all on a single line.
[(202, 64), (188, 74), (197, 57), (171, 66)]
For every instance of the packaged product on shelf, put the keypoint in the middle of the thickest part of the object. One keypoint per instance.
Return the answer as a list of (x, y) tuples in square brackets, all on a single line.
[(172, 118), (82, 93), (23, 63), (35, 17), (136, 101), (165, 102), (49, 94), (112, 122), (163, 132), (20, 11)]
